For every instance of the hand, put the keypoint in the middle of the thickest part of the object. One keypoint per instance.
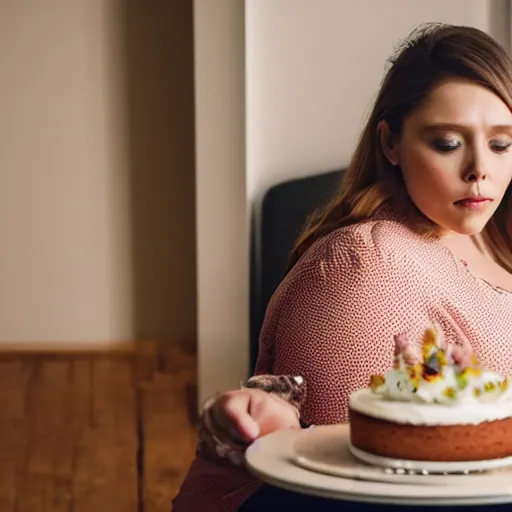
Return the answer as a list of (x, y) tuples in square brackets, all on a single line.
[(236, 418), (247, 414)]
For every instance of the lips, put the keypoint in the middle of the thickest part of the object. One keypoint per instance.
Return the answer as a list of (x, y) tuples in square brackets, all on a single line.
[(474, 202)]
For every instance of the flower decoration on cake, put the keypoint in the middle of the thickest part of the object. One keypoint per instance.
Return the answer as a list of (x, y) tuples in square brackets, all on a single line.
[(438, 373)]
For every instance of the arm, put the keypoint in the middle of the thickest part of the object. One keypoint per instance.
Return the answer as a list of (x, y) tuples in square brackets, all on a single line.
[(333, 324)]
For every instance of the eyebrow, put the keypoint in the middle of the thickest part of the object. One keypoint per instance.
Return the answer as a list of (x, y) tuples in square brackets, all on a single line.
[(463, 127)]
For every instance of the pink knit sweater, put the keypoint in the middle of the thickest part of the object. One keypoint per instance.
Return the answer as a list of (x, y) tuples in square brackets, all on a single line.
[(333, 320)]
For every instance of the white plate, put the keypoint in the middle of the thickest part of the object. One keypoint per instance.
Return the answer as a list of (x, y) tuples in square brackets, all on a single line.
[(296, 460)]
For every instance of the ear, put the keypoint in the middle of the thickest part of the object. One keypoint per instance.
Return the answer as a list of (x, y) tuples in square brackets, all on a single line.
[(389, 143)]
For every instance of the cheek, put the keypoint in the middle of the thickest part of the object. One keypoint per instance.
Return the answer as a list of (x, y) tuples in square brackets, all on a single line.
[(428, 176), (503, 176)]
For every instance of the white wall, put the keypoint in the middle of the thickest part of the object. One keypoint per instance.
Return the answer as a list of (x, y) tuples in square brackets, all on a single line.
[(64, 234), (311, 70)]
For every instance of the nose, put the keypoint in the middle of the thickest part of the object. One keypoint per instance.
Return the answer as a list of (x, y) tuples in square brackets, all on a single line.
[(475, 175), (476, 170)]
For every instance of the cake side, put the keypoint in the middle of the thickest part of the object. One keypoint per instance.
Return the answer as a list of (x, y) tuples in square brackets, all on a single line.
[(453, 443)]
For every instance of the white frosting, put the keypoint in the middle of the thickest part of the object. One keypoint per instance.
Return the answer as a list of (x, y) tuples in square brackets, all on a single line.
[(398, 386), (470, 412)]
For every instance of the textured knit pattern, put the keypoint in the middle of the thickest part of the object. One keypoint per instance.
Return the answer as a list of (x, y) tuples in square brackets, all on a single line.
[(333, 320)]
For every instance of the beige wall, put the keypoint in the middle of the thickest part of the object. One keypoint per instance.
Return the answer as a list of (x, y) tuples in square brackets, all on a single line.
[(72, 270)]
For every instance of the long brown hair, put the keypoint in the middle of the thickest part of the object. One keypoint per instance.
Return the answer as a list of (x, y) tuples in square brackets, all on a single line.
[(432, 53)]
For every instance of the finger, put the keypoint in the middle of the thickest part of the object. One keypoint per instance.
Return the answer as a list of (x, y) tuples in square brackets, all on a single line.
[(231, 413), (216, 434), (216, 441), (219, 434)]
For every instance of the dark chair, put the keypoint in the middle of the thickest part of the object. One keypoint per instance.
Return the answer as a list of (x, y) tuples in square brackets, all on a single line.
[(284, 212)]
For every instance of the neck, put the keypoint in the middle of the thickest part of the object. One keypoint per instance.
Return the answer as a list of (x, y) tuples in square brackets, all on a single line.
[(467, 244)]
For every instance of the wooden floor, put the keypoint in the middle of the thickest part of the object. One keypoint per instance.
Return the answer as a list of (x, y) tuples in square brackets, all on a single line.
[(98, 433)]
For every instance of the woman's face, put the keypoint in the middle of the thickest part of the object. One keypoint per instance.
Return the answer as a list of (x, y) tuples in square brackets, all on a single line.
[(455, 153)]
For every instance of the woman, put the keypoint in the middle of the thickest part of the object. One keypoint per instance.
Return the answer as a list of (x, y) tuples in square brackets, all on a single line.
[(419, 233)]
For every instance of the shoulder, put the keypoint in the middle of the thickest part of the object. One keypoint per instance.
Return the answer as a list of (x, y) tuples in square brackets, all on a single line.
[(372, 244), (376, 258)]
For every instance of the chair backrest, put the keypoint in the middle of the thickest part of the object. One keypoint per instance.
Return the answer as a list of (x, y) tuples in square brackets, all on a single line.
[(285, 209)]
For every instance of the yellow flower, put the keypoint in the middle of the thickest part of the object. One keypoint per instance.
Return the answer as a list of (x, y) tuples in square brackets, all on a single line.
[(449, 392), (441, 357), (429, 343), (489, 387), (415, 374), (467, 373)]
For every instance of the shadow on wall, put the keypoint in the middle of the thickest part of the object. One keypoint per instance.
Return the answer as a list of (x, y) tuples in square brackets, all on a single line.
[(160, 93)]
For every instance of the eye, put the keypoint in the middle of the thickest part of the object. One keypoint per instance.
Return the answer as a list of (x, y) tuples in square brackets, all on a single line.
[(446, 145), (500, 146)]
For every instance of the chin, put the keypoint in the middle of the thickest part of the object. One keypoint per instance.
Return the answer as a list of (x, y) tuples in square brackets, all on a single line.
[(454, 222), (470, 227)]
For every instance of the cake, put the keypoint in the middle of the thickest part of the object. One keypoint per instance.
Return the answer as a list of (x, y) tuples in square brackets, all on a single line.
[(437, 403)]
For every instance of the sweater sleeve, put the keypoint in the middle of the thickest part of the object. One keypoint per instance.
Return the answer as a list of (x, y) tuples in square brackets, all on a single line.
[(337, 320)]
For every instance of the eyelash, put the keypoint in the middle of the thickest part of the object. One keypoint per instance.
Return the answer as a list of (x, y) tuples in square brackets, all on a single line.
[(446, 147)]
